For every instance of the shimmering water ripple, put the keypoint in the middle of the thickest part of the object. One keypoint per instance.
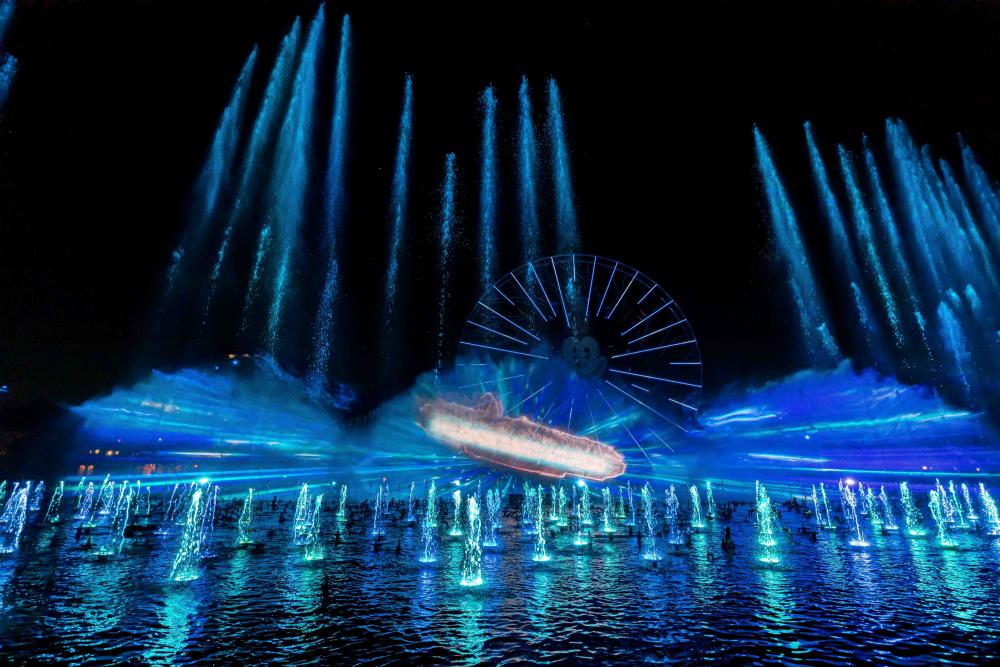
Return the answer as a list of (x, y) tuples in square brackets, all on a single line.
[(900, 601)]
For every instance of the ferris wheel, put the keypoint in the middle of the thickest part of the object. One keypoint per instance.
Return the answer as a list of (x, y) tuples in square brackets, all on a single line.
[(587, 345)]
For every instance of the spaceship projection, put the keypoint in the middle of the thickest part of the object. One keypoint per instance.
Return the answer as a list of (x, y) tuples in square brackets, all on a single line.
[(483, 432)]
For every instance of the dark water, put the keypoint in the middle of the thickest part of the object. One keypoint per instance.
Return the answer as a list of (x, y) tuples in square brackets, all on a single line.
[(901, 600)]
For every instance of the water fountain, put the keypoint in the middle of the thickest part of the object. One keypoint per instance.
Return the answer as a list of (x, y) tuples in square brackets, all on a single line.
[(145, 500), (672, 514), (77, 493), (208, 521), (587, 518), (528, 511), (765, 527), (940, 519), (36, 497), (105, 502), (540, 555), (970, 511), (606, 497), (342, 507), (378, 530), (185, 567), (456, 518), (245, 524), (85, 505), (472, 556), (527, 166), (55, 503), (116, 533), (3, 491), (410, 517), (816, 509), (553, 504), (488, 190), (313, 548), (300, 521), (912, 517), (989, 509), (710, 501), (871, 502), (853, 521), (428, 528), (696, 521), (492, 518), (620, 514), (12, 521), (889, 518), (631, 504), (649, 519), (448, 222), (562, 519), (957, 515), (830, 525)]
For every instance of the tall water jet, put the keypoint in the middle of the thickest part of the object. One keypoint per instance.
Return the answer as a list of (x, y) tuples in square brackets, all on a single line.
[(115, 540), (399, 199), (818, 511), (989, 509), (912, 517), (587, 518), (553, 508), (957, 515), (853, 522), (208, 521), (631, 504), (541, 555), (765, 526), (871, 502), (527, 167), (185, 567), (333, 213), (410, 517), (562, 519), (428, 528), (378, 530), (456, 518), (85, 505), (671, 513), (77, 493), (937, 513), (52, 514), (253, 157), (342, 506), (36, 497), (956, 348), (889, 517), (245, 524), (300, 521), (649, 520), (841, 243), (606, 498), (567, 229), (696, 521), (946, 509), (492, 518), (489, 177), (970, 510), (313, 547), (811, 313), (710, 501), (8, 70), (12, 521), (215, 174), (292, 174), (472, 556), (446, 241)]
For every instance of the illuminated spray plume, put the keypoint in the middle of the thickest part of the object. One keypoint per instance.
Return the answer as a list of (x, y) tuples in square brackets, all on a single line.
[(710, 500), (106, 499), (52, 514), (853, 521), (946, 509), (313, 547), (333, 212), (377, 529), (871, 502), (36, 497), (970, 510), (765, 526), (826, 505), (672, 515), (300, 521), (620, 514), (115, 539), (553, 511), (989, 509), (696, 520), (912, 517), (185, 567), (12, 521), (649, 519), (957, 515), (528, 511), (472, 557), (631, 505), (428, 528), (492, 518), (488, 190), (399, 199), (937, 513), (208, 521), (541, 555), (527, 167), (447, 216), (410, 517), (245, 525), (606, 498), (456, 517), (817, 509), (889, 517), (567, 229), (561, 514), (342, 507), (83, 513)]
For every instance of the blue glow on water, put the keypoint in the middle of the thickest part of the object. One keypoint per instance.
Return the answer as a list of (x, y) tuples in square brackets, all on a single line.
[(527, 169), (263, 128), (8, 68), (488, 190), (446, 241), (334, 213), (809, 308), (567, 227), (399, 198), (215, 175)]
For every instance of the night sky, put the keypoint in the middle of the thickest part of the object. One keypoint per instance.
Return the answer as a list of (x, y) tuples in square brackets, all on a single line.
[(115, 104)]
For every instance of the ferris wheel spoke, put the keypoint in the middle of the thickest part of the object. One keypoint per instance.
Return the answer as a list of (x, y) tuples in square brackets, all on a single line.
[(559, 288), (590, 289), (651, 349), (544, 318), (666, 305), (541, 286), (622, 296), (501, 349), (647, 406), (653, 377), (660, 330), (614, 270)]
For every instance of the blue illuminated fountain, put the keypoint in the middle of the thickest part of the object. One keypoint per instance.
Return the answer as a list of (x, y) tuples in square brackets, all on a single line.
[(889, 522), (399, 199), (712, 510), (456, 517), (955, 507), (428, 528), (245, 525), (410, 516), (607, 526), (492, 518), (52, 514), (12, 520), (300, 521), (378, 530), (540, 554), (567, 229), (649, 521), (186, 562), (911, 513), (936, 506), (314, 549), (472, 556), (446, 242), (672, 515), (853, 520), (527, 167), (970, 510), (342, 506), (488, 190), (989, 509), (765, 522), (36, 497), (696, 520)]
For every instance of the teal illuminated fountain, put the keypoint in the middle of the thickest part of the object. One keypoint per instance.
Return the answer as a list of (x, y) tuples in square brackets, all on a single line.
[(620, 515), (830, 525), (871, 502), (36, 497), (313, 547), (303, 508), (671, 513), (587, 518), (912, 517), (562, 518), (606, 497), (649, 519), (378, 529), (342, 507), (970, 511), (553, 504), (946, 509), (106, 499), (116, 534), (540, 554), (208, 521), (185, 567), (55, 503), (957, 515), (765, 527), (492, 518), (77, 493), (456, 526), (3, 490), (245, 524), (631, 504), (472, 557), (938, 513), (12, 520), (86, 503), (528, 511), (711, 510), (428, 528), (853, 522), (410, 518), (989, 509), (889, 517), (817, 510), (696, 521)]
